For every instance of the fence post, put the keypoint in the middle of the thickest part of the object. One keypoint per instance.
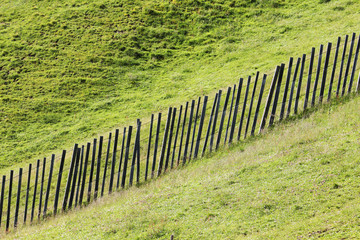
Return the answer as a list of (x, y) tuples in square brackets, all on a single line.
[(209, 126), (35, 188), (215, 120), (287, 83), (342, 65), (170, 139), (299, 84), (149, 147), (176, 136), (138, 155), (126, 158), (27, 195), (268, 101), (68, 182), (244, 107), (156, 145), (42, 187), (18, 199), (9, 201), (348, 64), (251, 104), (309, 78), (182, 132), (163, 147), (80, 174), (49, 184), (98, 167), (72, 193), (188, 133), (223, 117), (106, 165), (113, 162), (201, 124), (230, 113), (133, 162), (354, 65), (2, 197), (277, 93), (58, 185), (92, 169), (84, 174), (317, 75), (237, 102), (121, 157), (194, 129), (293, 87), (258, 105), (322, 89), (334, 68)]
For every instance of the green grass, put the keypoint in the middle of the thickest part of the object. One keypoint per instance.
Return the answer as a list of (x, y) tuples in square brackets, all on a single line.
[(71, 70), (299, 180)]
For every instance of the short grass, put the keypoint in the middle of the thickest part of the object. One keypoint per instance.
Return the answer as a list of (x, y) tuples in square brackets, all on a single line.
[(72, 69), (299, 180)]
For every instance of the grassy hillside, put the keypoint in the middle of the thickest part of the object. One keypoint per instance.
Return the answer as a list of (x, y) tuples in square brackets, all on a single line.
[(71, 69), (298, 181)]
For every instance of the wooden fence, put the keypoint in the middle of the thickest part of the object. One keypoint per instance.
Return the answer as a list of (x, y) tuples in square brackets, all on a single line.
[(146, 150)]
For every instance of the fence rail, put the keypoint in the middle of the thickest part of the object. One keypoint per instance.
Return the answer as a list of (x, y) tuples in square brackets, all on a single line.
[(138, 154)]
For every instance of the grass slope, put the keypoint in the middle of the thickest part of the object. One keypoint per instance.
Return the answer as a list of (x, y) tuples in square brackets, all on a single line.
[(71, 69), (297, 181)]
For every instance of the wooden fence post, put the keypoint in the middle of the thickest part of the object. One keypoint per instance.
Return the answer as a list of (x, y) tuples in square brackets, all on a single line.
[(188, 133), (126, 158), (35, 188), (113, 162), (176, 136), (27, 194), (215, 120), (68, 182), (41, 187), (342, 65), (201, 124), (230, 113), (72, 192), (348, 64), (309, 78), (98, 167), (9, 201), (268, 101), (223, 117), (251, 104), (121, 157), (194, 128), (237, 102), (209, 126), (170, 139), (163, 147), (106, 165), (156, 145), (326, 64), (49, 184), (138, 154), (354, 65), (93, 159), (292, 88), (80, 175), (277, 94), (2, 197), (258, 105), (287, 83), (244, 107), (18, 199), (149, 147), (299, 84), (317, 75), (334, 68), (58, 184), (182, 132), (84, 174)]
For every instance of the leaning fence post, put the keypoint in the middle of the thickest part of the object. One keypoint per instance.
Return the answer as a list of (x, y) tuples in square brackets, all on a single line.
[(133, 162), (80, 174), (237, 102), (163, 147), (292, 88), (92, 169), (42, 187), (35, 188), (68, 182), (126, 158), (342, 65), (201, 124), (112, 172), (230, 113), (322, 89), (149, 147), (309, 78), (9, 201), (268, 101), (258, 105), (84, 174), (18, 199), (194, 129), (156, 145), (2, 197), (72, 193), (138, 155), (106, 165), (49, 184), (277, 93), (27, 194), (251, 104), (334, 68), (176, 137), (348, 64), (121, 158), (187, 140), (223, 118), (170, 138), (354, 65), (244, 108), (209, 126), (58, 184), (215, 120), (98, 167), (287, 83), (182, 132), (317, 75), (299, 84)]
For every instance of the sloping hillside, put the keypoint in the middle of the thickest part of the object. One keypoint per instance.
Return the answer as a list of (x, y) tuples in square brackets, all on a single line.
[(71, 69), (298, 181)]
